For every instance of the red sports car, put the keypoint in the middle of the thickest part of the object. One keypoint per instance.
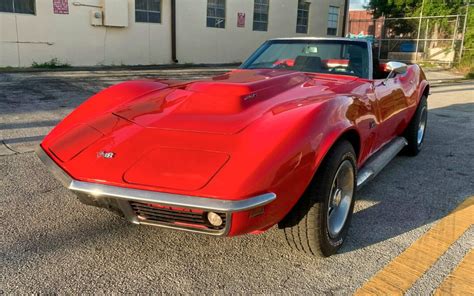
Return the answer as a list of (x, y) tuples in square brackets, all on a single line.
[(285, 139)]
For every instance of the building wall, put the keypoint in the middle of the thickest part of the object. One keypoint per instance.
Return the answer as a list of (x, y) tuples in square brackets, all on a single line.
[(71, 38), (361, 22), (199, 44)]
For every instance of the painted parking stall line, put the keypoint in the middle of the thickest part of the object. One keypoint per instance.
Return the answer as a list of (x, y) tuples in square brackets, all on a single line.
[(461, 280), (403, 271)]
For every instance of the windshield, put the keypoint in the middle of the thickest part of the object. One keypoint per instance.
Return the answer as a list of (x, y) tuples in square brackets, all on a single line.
[(316, 56)]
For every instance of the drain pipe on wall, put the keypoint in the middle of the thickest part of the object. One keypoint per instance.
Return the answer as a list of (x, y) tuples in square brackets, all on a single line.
[(173, 32), (345, 19)]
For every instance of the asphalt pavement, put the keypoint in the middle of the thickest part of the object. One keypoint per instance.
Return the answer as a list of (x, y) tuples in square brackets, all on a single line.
[(50, 243)]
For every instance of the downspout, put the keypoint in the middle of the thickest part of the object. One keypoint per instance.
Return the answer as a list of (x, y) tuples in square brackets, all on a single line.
[(173, 32), (344, 19)]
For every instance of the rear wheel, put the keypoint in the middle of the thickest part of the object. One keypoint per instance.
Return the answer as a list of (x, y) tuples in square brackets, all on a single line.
[(319, 222), (416, 130)]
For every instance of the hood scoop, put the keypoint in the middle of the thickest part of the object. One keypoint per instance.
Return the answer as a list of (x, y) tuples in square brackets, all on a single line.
[(224, 105)]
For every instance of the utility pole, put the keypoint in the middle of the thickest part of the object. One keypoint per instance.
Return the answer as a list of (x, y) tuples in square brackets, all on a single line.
[(419, 31), (464, 29)]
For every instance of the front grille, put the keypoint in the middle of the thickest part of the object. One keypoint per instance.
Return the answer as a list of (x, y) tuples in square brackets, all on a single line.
[(174, 216)]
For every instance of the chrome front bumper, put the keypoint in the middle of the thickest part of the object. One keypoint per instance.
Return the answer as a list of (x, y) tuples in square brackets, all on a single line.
[(118, 199)]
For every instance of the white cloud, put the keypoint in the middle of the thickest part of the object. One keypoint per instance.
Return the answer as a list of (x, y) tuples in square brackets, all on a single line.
[(358, 4)]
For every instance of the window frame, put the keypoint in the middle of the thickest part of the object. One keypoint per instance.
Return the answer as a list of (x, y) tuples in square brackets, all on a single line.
[(255, 21), (24, 13), (218, 20), (148, 11), (333, 24), (304, 8)]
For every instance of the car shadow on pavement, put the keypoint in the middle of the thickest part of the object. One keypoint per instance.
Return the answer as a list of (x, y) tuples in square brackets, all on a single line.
[(412, 192), (54, 230)]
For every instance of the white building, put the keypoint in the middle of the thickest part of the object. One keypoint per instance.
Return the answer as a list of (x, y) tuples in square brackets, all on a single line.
[(145, 32)]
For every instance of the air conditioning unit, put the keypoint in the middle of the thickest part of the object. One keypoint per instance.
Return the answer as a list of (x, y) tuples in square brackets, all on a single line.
[(115, 13)]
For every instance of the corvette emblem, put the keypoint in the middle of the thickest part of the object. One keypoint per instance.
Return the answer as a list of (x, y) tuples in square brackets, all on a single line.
[(106, 155)]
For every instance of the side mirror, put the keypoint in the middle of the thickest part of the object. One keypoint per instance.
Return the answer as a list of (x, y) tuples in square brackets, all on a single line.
[(394, 68)]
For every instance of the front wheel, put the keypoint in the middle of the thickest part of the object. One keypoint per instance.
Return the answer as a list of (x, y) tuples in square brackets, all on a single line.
[(416, 130), (319, 222)]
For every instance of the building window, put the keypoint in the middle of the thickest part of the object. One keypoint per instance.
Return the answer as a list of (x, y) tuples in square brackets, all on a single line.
[(260, 15), (302, 17), (333, 20), (216, 13), (18, 6), (148, 11)]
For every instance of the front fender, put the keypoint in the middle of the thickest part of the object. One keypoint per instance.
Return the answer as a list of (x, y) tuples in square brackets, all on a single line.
[(105, 102), (286, 159)]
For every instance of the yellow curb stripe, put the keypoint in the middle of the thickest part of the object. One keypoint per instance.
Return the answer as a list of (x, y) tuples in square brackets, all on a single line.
[(461, 280), (402, 272)]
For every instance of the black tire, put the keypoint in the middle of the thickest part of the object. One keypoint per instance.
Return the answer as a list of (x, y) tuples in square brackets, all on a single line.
[(306, 226), (415, 143)]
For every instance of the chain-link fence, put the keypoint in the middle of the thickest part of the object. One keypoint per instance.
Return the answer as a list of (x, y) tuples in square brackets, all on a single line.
[(436, 39)]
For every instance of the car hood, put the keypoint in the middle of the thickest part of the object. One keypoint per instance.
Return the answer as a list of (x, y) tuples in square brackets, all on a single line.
[(178, 138), (225, 104)]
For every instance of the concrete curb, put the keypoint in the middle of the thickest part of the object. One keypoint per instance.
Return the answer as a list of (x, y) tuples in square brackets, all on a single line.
[(450, 82), (118, 68)]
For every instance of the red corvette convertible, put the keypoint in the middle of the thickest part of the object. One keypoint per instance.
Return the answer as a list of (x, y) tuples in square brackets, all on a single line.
[(285, 139)]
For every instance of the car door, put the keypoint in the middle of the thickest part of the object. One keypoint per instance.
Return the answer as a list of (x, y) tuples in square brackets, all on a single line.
[(394, 98)]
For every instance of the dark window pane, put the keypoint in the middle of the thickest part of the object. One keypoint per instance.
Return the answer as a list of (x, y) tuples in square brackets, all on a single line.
[(154, 17), (154, 5), (24, 6), (211, 12), (302, 17), (215, 14), (6, 5), (302, 29), (148, 11), (211, 22), (333, 19), (221, 23), (260, 15), (260, 26), (140, 4), (332, 31), (220, 12), (141, 16)]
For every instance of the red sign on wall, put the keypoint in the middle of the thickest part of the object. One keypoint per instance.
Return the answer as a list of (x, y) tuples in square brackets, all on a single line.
[(240, 19), (60, 7)]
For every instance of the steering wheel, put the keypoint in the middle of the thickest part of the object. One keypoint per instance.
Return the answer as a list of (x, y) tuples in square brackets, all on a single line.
[(334, 69), (347, 69), (281, 66)]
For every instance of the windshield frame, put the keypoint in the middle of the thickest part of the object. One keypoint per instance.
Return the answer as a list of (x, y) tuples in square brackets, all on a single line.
[(254, 56)]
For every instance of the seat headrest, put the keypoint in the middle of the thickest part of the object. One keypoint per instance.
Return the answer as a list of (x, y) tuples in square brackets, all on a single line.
[(308, 63)]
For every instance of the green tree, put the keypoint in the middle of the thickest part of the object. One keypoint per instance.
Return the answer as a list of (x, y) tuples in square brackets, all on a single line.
[(402, 8), (412, 8)]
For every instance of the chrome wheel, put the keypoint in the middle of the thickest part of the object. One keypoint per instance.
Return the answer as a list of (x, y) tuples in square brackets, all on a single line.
[(422, 126), (340, 200)]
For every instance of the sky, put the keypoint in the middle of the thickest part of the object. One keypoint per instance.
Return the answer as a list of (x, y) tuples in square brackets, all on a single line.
[(358, 4)]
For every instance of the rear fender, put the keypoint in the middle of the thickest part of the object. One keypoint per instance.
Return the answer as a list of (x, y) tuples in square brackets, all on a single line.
[(423, 85), (422, 89)]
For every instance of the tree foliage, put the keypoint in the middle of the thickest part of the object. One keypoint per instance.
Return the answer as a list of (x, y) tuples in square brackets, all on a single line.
[(412, 8), (402, 8)]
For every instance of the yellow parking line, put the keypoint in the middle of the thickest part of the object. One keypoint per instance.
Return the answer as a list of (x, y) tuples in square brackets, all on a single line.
[(402, 272), (461, 280)]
